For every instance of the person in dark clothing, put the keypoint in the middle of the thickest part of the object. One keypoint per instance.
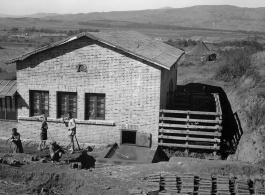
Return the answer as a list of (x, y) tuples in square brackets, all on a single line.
[(56, 151), (43, 133), (87, 161), (16, 142)]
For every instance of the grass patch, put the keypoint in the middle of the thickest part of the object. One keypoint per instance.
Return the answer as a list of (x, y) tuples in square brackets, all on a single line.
[(256, 113), (237, 62), (181, 153), (234, 64)]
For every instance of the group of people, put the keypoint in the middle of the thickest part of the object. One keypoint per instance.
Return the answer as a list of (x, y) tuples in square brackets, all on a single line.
[(55, 150)]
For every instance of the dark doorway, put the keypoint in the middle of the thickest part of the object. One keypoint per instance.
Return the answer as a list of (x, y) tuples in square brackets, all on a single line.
[(128, 137)]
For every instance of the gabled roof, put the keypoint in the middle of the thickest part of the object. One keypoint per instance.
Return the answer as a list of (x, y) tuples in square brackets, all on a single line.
[(8, 88), (130, 42)]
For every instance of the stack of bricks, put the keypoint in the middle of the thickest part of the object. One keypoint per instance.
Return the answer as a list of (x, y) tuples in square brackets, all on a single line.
[(258, 184), (153, 182), (241, 185), (205, 184), (250, 180), (232, 183), (221, 185), (187, 183), (170, 183)]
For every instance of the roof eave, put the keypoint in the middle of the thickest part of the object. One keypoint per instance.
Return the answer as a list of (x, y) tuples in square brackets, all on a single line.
[(22, 57), (133, 54)]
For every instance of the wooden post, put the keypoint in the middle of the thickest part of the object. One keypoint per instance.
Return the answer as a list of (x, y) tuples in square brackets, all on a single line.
[(162, 121), (217, 119), (5, 108), (187, 135)]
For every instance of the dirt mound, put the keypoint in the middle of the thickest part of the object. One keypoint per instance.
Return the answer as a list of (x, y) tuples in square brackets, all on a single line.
[(53, 179), (251, 147)]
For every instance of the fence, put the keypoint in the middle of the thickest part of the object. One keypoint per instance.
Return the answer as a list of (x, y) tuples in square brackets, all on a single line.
[(191, 129)]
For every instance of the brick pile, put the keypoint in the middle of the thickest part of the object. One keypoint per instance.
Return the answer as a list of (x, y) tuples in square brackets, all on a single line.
[(221, 185), (241, 186), (232, 183), (169, 182), (258, 184), (153, 182), (205, 184), (187, 183)]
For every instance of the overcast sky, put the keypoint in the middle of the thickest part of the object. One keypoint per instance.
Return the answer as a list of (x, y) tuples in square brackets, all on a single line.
[(19, 7)]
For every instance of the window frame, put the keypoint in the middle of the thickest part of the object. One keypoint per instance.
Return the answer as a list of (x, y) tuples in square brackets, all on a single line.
[(5, 111), (87, 95), (31, 103), (59, 114)]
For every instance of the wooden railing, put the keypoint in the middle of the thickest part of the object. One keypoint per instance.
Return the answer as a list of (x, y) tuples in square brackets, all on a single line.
[(191, 129)]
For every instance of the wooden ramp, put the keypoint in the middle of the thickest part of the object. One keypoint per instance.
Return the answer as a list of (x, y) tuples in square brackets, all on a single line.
[(191, 129)]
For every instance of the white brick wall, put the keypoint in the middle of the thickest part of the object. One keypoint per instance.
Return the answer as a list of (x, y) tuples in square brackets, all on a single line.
[(6, 128)]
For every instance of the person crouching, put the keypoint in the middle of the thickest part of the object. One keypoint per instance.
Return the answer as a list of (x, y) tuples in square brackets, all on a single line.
[(16, 142), (56, 152)]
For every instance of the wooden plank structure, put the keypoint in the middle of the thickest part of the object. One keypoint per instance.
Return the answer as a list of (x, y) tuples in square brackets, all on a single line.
[(191, 129)]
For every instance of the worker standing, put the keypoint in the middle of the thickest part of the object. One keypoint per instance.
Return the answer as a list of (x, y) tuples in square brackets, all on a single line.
[(43, 133), (72, 130)]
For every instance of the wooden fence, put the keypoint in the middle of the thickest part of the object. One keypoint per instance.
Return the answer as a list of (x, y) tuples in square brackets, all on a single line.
[(191, 129)]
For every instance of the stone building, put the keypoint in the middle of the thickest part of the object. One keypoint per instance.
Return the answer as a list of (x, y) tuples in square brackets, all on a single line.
[(106, 79)]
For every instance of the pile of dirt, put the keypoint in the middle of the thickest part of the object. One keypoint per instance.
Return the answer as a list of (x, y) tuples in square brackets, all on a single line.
[(251, 147), (252, 118)]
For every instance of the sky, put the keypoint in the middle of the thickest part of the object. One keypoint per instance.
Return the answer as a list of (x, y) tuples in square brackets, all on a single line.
[(24, 7)]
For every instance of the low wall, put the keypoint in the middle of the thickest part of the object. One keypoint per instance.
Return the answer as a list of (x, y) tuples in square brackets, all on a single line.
[(86, 131), (6, 128)]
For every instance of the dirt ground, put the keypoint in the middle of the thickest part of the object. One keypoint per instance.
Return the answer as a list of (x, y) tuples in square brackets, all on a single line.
[(60, 178)]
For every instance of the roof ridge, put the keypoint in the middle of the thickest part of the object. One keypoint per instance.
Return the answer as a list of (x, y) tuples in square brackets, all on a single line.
[(127, 41)]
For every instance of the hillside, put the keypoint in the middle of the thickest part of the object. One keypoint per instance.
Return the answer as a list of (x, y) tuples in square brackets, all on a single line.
[(206, 16), (36, 15)]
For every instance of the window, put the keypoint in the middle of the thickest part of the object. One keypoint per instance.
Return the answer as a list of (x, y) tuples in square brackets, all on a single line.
[(95, 106), (67, 102), (8, 108), (39, 103)]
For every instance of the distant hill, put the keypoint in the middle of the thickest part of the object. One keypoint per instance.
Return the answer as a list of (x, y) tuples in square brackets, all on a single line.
[(206, 16), (41, 15), (222, 17), (36, 15), (167, 7)]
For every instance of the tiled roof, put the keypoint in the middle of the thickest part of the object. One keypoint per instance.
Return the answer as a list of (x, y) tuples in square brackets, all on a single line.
[(8, 88), (131, 42)]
